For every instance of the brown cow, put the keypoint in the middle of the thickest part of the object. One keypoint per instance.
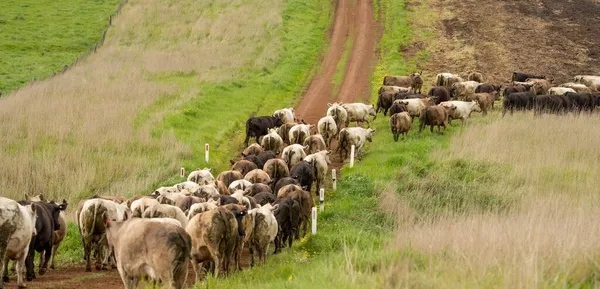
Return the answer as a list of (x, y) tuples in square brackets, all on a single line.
[(315, 143), (384, 101), (305, 200), (402, 81), (400, 124), (247, 223), (276, 169), (416, 82), (253, 149), (475, 76), (485, 101), (228, 177), (154, 248), (258, 176), (284, 131), (243, 166), (435, 116)]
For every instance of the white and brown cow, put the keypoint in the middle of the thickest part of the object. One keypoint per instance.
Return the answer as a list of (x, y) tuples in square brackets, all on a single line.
[(356, 136), (359, 112)]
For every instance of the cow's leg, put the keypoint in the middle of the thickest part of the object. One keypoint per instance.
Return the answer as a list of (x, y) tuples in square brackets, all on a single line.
[(5, 271), (42, 259), (48, 253), (431, 128), (87, 248), (54, 248), (20, 264), (29, 263), (251, 249), (107, 256)]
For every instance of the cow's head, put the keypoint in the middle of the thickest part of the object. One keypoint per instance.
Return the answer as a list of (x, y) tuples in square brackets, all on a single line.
[(278, 121), (474, 106), (239, 212), (55, 211), (36, 198), (370, 134)]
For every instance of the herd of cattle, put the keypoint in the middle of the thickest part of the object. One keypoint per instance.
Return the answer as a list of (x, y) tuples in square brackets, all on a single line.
[(454, 98), (265, 198)]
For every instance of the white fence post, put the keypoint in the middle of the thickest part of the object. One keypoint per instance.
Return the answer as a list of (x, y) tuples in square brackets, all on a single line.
[(182, 172), (334, 179), (352, 156), (314, 220), (206, 152), (322, 198)]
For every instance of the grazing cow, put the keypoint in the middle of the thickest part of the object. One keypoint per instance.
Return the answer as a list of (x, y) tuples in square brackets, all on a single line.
[(463, 109), (277, 169), (285, 181), (17, 227), (199, 208), (359, 112), (140, 205), (560, 90), (520, 76), (213, 238), (288, 220), (259, 126), (253, 149), (475, 76), (284, 131), (59, 235), (166, 211), (461, 90), (303, 172), (90, 219), (392, 88), (581, 102), (242, 166), (416, 82), (154, 248), (201, 177), (384, 101), (435, 116), (239, 185), (264, 198), (402, 81), (320, 162), (338, 112), (485, 101), (314, 143), (540, 86), (265, 231), (228, 177), (285, 114), (257, 176), (292, 154), (271, 142), (439, 94), (356, 136), (257, 188), (400, 124), (518, 101), (397, 108), (414, 106), (327, 128), (578, 87), (299, 133)]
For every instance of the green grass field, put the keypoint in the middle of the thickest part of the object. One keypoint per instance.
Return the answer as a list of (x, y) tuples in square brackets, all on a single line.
[(39, 37)]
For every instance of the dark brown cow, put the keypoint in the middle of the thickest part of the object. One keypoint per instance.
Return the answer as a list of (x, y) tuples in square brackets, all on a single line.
[(384, 101), (259, 126), (435, 116), (228, 177), (243, 166), (520, 76), (402, 81), (439, 94)]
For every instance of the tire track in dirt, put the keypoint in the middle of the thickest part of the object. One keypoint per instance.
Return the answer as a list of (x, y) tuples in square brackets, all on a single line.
[(354, 20)]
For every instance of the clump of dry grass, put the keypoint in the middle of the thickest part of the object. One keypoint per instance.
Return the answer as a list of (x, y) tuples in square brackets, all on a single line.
[(75, 134), (549, 239)]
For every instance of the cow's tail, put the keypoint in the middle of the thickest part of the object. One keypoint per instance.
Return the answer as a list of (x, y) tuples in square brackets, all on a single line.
[(180, 247), (343, 140), (297, 135), (290, 156)]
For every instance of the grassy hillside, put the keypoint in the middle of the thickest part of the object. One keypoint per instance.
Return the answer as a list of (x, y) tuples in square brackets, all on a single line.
[(171, 76), (39, 37)]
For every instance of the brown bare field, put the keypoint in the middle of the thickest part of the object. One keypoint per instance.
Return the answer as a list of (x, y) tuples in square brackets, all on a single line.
[(78, 134)]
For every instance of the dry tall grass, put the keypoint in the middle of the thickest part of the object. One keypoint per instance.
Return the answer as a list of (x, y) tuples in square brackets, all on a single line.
[(74, 135), (550, 239)]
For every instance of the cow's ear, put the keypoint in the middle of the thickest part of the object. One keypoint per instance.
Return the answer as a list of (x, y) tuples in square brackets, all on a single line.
[(275, 208), (26, 197), (41, 196), (32, 209), (329, 152), (329, 105), (232, 161)]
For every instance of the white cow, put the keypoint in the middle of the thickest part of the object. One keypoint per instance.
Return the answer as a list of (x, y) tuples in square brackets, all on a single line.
[(463, 109), (188, 185), (293, 154), (239, 185), (299, 132), (201, 208), (272, 141), (321, 162), (265, 230), (356, 136), (560, 90), (17, 226), (286, 115), (140, 205), (166, 211), (202, 177), (590, 81), (338, 112), (327, 128), (359, 112), (579, 87), (415, 105)]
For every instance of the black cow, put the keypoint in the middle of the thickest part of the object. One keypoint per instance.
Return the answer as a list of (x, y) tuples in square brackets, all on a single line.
[(45, 225), (265, 156), (581, 102), (264, 198), (397, 108), (259, 126), (518, 101), (439, 94), (288, 220), (225, 199), (520, 76), (384, 101), (254, 159), (284, 182), (548, 104), (487, 88), (304, 173)]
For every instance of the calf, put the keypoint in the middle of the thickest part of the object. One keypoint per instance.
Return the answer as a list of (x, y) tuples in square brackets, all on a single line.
[(17, 227), (154, 248), (435, 116), (327, 128), (359, 112), (272, 142), (400, 124), (356, 136), (259, 126)]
